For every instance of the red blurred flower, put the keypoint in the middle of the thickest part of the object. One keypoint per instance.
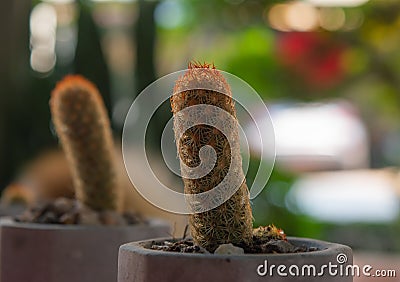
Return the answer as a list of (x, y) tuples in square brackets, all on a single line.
[(315, 57)]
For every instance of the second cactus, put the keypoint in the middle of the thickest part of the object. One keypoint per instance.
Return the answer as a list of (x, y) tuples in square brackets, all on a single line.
[(82, 124)]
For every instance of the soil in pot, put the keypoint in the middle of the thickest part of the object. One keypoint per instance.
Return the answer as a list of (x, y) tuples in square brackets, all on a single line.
[(70, 211), (266, 240)]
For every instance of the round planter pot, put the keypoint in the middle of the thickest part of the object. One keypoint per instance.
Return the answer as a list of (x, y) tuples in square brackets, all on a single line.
[(77, 253), (138, 263)]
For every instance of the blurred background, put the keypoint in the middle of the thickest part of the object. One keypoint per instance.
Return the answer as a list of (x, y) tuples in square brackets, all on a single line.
[(328, 70)]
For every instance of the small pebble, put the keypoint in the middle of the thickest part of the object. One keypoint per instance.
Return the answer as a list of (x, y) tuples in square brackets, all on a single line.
[(111, 218), (133, 218), (278, 246), (48, 217), (69, 218), (88, 217), (63, 205), (229, 249)]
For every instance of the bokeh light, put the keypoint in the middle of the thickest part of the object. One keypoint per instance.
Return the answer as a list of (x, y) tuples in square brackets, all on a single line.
[(301, 16), (332, 18), (276, 17), (43, 24), (170, 14), (306, 16), (43, 59), (337, 3)]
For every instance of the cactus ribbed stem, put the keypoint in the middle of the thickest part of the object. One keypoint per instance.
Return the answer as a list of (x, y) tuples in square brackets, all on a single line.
[(230, 222), (81, 122)]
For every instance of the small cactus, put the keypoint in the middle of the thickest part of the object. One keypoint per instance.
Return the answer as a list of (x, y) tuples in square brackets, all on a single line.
[(230, 222), (81, 122)]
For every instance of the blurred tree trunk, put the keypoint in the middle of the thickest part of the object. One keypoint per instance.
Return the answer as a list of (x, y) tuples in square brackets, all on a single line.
[(89, 56), (14, 80), (145, 38), (5, 54), (145, 35)]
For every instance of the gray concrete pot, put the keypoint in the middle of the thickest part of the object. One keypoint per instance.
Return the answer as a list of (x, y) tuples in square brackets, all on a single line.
[(74, 253), (137, 263)]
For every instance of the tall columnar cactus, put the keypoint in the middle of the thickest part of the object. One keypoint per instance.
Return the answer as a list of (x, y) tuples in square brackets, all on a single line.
[(230, 222), (82, 124)]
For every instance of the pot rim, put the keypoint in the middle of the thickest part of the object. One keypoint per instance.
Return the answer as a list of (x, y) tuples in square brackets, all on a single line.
[(324, 248)]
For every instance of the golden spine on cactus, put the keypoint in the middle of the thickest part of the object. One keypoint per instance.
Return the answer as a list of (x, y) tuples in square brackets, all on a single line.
[(230, 222), (83, 127)]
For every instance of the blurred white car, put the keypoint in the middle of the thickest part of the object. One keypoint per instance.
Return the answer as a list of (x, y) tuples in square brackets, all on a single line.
[(315, 136)]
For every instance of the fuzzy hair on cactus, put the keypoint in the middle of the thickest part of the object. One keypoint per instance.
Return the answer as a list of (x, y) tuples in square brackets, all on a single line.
[(83, 127), (230, 222)]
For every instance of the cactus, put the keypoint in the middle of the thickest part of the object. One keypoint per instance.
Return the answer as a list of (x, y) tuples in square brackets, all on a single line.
[(230, 222), (81, 122)]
